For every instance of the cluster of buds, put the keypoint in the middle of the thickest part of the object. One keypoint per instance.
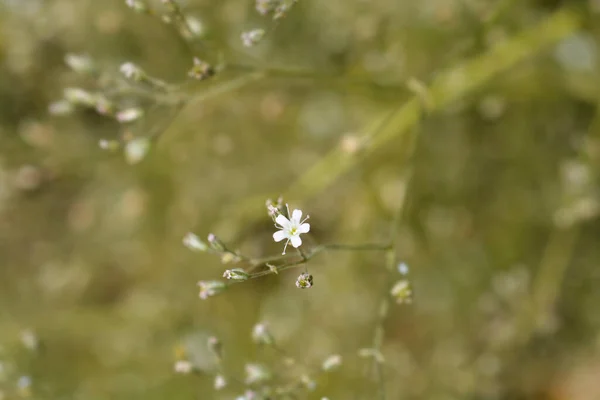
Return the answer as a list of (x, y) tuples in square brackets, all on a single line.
[(402, 289), (274, 209), (256, 374), (97, 101)]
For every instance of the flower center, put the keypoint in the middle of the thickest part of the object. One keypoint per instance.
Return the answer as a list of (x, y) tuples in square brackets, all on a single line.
[(293, 230)]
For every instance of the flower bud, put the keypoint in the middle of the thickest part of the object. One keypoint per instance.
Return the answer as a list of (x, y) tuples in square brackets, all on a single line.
[(194, 243), (215, 243), (304, 281), (80, 63), (252, 37), (261, 335), (183, 367), (308, 382), (136, 5), (220, 382), (136, 150), (129, 114), (210, 288), (79, 96), (110, 145), (237, 274), (332, 362)]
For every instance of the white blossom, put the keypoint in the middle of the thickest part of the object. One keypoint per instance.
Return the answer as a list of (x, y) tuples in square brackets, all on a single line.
[(291, 229)]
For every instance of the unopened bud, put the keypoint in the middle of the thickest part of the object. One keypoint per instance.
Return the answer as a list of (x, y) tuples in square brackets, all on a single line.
[(79, 96), (136, 5), (236, 274), (252, 37), (215, 242), (332, 362), (256, 373), (129, 115), (136, 150), (80, 63), (261, 335), (110, 145), (220, 382), (194, 243), (183, 367), (210, 288), (308, 382)]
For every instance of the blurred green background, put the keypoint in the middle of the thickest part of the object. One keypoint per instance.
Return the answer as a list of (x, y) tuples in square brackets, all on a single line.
[(499, 199)]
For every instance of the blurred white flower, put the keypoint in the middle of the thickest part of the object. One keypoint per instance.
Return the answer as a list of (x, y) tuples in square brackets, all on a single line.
[(291, 229)]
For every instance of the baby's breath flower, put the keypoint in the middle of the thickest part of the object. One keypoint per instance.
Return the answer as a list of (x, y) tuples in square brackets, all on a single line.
[(201, 70), (220, 382), (304, 281), (129, 114), (237, 274), (256, 373), (252, 37), (291, 229), (183, 367), (332, 362), (136, 150), (402, 292), (261, 334), (210, 288), (194, 243)]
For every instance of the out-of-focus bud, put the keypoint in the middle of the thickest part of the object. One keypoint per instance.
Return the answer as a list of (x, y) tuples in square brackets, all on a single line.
[(129, 114), (265, 7), (256, 373), (236, 274), (183, 367), (79, 63), (136, 5), (79, 96), (402, 292), (60, 108), (262, 335), (210, 288), (136, 150), (332, 362), (194, 243), (220, 382), (215, 243), (252, 37), (309, 383), (304, 281)]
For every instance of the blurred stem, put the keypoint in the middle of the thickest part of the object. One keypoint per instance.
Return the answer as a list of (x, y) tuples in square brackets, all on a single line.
[(450, 86)]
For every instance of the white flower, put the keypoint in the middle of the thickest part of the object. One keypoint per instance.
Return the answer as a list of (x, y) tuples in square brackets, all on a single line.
[(291, 229)]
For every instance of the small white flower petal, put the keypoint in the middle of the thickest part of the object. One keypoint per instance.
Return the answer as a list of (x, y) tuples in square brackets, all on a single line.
[(282, 221), (279, 236), (296, 241), (296, 216), (304, 228)]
